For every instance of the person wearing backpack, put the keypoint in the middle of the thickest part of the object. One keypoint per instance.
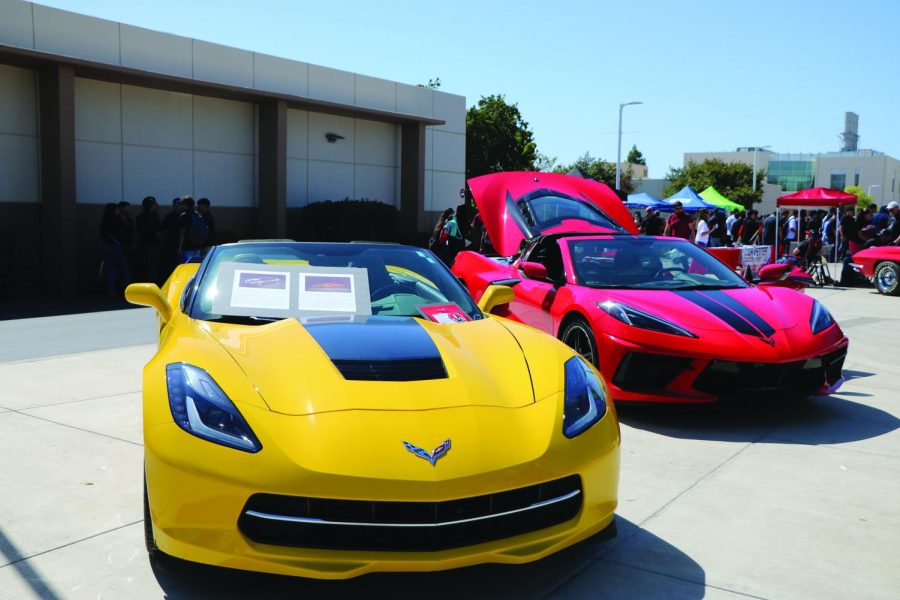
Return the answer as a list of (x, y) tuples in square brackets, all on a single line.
[(194, 231)]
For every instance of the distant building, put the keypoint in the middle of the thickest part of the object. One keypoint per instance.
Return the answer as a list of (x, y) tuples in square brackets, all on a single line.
[(874, 172)]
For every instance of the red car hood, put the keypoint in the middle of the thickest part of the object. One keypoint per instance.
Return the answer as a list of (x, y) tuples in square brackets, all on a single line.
[(748, 310), (501, 218)]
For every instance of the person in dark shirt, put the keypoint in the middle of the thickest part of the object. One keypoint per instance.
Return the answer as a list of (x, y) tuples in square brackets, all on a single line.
[(189, 245), (880, 218), (652, 223), (203, 209), (112, 231), (717, 229), (769, 230), (750, 229), (679, 224), (893, 228), (147, 226), (171, 231), (849, 234)]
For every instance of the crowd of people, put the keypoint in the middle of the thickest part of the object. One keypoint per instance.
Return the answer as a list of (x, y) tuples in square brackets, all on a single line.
[(148, 248)]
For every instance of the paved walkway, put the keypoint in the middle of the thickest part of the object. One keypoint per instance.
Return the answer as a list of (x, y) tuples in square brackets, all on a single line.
[(764, 501)]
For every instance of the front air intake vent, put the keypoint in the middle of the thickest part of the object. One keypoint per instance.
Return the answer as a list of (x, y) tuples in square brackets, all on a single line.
[(417, 369)]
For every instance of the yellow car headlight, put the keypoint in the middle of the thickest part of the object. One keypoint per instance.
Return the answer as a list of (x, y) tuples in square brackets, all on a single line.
[(200, 407)]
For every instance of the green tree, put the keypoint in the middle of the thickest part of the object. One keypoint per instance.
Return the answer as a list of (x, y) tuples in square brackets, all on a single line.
[(599, 169), (862, 199), (498, 138), (432, 83), (635, 156), (733, 180)]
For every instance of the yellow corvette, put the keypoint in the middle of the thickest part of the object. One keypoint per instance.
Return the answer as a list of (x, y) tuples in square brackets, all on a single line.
[(328, 410)]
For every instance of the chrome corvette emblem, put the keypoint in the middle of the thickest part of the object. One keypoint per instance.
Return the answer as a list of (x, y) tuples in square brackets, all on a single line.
[(433, 457)]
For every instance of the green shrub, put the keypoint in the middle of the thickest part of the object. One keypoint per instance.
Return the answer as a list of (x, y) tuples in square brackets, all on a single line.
[(348, 220)]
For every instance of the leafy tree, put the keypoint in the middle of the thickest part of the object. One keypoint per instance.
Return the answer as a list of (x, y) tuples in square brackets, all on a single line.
[(432, 83), (498, 138), (599, 169), (544, 163), (862, 199), (635, 156), (733, 180)]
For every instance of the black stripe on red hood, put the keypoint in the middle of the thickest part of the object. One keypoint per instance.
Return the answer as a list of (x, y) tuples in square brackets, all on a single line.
[(729, 310)]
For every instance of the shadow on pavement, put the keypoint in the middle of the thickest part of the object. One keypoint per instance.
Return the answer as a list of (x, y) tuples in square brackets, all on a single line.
[(572, 570), (29, 309), (817, 420)]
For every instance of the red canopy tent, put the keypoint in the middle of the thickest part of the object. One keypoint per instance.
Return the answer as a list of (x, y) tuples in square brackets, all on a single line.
[(818, 197)]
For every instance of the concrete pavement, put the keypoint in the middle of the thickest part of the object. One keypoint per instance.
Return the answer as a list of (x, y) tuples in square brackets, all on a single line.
[(769, 500)]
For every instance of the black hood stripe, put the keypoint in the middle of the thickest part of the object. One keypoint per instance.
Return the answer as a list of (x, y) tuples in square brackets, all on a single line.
[(730, 311), (729, 301)]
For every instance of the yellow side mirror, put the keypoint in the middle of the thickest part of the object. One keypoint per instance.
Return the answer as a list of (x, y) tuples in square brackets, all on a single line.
[(494, 296), (149, 294)]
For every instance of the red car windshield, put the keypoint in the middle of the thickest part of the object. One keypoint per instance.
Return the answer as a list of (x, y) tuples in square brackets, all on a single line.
[(544, 209), (648, 263)]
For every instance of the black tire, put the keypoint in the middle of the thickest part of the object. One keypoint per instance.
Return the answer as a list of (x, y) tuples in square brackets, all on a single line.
[(576, 333), (887, 278)]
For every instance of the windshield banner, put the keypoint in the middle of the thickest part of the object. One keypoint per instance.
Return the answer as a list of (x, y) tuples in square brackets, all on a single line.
[(284, 290)]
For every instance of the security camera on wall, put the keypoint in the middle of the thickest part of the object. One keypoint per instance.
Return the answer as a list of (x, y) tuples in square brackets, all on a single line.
[(333, 137)]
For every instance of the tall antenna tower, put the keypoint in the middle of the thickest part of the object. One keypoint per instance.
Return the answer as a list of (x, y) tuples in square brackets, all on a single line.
[(850, 137)]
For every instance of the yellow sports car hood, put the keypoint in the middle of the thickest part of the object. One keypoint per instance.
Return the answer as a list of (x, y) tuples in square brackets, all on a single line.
[(379, 363)]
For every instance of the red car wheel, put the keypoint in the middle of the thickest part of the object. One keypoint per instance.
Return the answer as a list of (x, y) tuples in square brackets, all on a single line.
[(577, 334)]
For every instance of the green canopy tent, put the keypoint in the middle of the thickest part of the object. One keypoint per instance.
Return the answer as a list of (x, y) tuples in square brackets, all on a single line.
[(713, 196)]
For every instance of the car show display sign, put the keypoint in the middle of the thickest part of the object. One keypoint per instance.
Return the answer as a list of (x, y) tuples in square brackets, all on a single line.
[(755, 257), (284, 290), (444, 313)]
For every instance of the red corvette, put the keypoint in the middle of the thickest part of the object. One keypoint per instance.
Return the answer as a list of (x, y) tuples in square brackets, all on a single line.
[(663, 320), (881, 264)]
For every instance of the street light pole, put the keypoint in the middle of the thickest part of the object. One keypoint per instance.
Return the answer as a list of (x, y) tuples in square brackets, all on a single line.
[(755, 148), (619, 151)]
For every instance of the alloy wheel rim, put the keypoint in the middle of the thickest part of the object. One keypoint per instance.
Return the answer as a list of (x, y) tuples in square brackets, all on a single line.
[(887, 278), (579, 340)]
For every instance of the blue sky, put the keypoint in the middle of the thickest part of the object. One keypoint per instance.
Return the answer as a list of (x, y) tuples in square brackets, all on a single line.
[(712, 75)]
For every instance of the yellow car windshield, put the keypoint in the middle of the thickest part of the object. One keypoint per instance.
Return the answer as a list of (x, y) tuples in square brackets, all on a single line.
[(265, 281)]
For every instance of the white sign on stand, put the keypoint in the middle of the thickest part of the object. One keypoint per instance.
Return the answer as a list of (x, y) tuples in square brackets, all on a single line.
[(755, 257)]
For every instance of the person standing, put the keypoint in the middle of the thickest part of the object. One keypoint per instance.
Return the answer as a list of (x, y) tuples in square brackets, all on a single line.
[(702, 228), (171, 231), (769, 229), (717, 228), (893, 227), (453, 238), (192, 233), (849, 234), (112, 232), (147, 225), (750, 229), (653, 223), (679, 223), (203, 209), (729, 233), (790, 234)]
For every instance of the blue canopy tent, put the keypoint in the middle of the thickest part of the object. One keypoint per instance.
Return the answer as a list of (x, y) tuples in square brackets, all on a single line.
[(690, 200), (642, 200)]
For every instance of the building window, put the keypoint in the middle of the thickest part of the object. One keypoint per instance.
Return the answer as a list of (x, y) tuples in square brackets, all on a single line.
[(838, 179), (856, 177), (792, 173)]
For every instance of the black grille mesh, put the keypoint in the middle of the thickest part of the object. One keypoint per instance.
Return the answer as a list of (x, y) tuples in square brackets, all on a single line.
[(419, 534)]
